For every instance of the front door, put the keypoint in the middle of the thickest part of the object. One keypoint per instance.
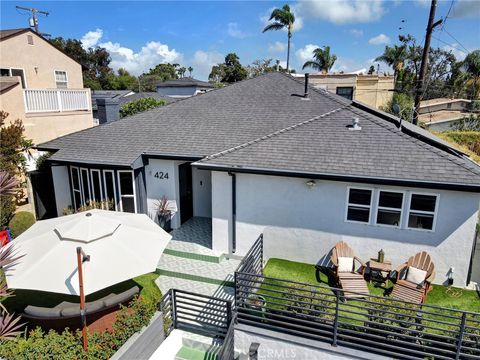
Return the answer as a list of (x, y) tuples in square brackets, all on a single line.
[(186, 196)]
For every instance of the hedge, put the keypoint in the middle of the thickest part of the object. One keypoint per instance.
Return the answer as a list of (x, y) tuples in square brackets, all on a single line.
[(20, 222)]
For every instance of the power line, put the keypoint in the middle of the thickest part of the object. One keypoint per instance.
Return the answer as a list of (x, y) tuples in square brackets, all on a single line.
[(458, 42), (34, 11), (444, 42)]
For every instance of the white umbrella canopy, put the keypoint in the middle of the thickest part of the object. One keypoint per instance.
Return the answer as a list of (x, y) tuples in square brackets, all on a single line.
[(121, 246)]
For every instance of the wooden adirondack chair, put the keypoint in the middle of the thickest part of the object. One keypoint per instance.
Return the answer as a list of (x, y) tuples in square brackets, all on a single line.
[(352, 280), (408, 291)]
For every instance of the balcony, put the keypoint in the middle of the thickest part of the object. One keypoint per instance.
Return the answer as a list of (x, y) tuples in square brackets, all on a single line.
[(56, 100)]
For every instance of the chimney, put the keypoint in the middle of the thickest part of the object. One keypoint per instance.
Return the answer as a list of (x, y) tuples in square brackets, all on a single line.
[(305, 95), (108, 110)]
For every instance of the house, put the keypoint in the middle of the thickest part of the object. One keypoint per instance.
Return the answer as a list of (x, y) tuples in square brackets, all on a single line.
[(441, 113), (259, 156), (42, 86), (106, 104), (374, 90), (183, 87)]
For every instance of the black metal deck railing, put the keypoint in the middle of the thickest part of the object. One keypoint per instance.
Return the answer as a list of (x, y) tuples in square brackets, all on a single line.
[(376, 324)]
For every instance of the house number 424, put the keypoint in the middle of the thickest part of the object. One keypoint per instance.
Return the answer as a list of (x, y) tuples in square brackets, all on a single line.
[(161, 175)]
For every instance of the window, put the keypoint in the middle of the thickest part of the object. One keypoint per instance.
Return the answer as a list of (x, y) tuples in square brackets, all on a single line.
[(61, 79), (30, 39), (126, 185), (421, 213), (359, 203), (85, 185), (77, 192), (346, 92), (389, 209), (97, 193), (110, 189), (5, 72)]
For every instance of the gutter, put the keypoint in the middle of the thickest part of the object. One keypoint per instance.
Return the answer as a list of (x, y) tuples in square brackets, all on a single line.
[(340, 177)]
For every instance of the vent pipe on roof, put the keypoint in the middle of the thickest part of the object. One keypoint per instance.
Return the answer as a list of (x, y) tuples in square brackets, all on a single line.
[(355, 124), (305, 95)]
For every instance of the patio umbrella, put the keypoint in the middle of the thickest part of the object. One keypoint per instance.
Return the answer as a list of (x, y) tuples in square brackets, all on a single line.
[(121, 246)]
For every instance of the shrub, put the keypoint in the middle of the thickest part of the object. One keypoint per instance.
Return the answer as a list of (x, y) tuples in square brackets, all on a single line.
[(68, 345), (20, 222), (7, 209), (140, 105), (469, 139)]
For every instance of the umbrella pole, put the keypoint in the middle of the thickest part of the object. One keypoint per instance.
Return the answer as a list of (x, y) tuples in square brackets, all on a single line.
[(80, 258)]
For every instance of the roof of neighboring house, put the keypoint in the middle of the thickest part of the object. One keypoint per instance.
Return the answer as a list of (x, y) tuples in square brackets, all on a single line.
[(442, 115), (265, 124), (144, 95), (438, 101), (185, 82), (7, 83)]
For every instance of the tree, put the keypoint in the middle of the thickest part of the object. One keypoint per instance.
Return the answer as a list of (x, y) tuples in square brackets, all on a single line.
[(122, 81), (322, 60), (217, 73), (394, 57), (471, 64), (234, 71), (190, 70), (181, 71), (371, 70), (283, 19), (260, 66), (164, 71), (405, 103), (140, 105)]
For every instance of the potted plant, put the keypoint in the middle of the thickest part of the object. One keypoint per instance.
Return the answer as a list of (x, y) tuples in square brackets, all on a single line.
[(164, 214), (256, 302)]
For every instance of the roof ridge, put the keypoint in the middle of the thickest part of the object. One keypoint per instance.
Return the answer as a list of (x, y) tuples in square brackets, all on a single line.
[(420, 142), (268, 136)]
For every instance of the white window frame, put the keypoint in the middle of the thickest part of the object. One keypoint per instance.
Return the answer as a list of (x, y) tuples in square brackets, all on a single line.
[(55, 78), (18, 68), (434, 213), (99, 174), (369, 207), (114, 187), (120, 189), (89, 188), (378, 207), (73, 187)]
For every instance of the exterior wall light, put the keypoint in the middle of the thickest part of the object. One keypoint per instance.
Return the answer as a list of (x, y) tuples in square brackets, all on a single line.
[(450, 276), (311, 184)]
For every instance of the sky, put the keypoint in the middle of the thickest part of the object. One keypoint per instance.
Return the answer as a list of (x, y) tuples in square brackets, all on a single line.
[(140, 34)]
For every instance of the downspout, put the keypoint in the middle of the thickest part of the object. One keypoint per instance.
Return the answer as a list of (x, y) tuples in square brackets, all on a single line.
[(234, 212)]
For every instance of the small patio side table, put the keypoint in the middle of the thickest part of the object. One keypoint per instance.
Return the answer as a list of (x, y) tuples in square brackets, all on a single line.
[(377, 269)]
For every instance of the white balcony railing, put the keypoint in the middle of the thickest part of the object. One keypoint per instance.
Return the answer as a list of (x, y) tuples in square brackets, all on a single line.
[(56, 100)]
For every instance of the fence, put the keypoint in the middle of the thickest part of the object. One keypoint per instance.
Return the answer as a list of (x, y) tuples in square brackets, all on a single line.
[(56, 100), (375, 324), (200, 314)]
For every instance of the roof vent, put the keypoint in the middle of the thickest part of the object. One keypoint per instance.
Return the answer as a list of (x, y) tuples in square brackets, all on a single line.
[(355, 124), (305, 93)]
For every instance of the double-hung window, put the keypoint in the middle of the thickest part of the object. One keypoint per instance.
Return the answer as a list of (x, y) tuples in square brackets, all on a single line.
[(359, 205), (61, 79), (110, 189), (86, 190), (97, 191), (76, 187), (389, 208), (422, 211), (126, 184)]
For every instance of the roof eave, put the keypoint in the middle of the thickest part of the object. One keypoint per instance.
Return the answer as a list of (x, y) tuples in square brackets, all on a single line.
[(340, 177)]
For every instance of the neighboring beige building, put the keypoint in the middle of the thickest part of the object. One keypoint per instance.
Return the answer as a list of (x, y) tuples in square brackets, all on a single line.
[(373, 90), (441, 113), (42, 86)]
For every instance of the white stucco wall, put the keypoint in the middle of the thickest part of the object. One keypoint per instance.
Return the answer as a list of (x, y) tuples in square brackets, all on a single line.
[(202, 192), (303, 224), (61, 185), (158, 187)]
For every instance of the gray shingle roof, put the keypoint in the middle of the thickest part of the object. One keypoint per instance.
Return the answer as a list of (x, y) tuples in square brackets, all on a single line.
[(185, 82), (4, 34), (239, 116), (144, 95)]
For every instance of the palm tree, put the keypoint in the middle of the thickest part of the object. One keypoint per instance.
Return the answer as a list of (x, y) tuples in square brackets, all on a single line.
[(471, 64), (322, 60), (394, 57), (284, 19), (190, 70)]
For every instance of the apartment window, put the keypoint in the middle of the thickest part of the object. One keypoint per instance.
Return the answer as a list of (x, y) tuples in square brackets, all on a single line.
[(61, 79), (76, 187), (422, 211), (97, 193), (110, 189), (5, 72), (359, 205), (126, 185), (389, 208), (85, 185), (346, 92)]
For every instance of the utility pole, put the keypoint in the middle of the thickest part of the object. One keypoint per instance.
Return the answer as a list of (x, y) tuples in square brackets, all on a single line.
[(34, 21), (423, 68)]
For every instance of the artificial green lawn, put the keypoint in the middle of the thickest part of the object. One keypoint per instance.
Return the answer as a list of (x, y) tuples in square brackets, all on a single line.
[(22, 298), (440, 295)]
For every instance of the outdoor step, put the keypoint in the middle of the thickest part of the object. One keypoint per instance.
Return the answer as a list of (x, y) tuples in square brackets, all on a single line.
[(166, 283), (193, 251), (200, 342), (198, 270), (186, 353)]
